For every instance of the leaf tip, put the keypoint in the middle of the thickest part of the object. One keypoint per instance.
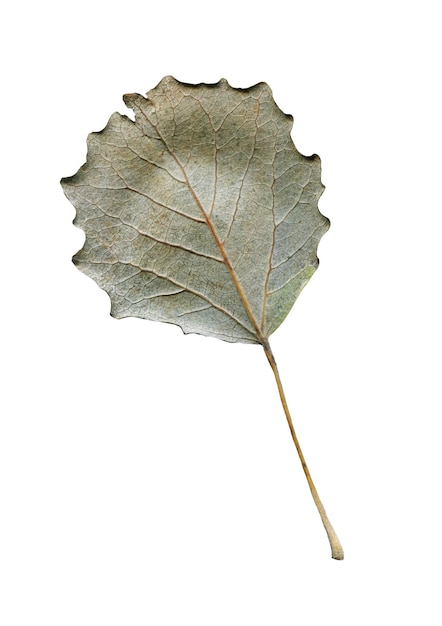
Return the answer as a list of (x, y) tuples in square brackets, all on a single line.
[(132, 100)]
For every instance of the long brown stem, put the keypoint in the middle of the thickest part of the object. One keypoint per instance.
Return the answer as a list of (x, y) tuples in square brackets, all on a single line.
[(335, 544)]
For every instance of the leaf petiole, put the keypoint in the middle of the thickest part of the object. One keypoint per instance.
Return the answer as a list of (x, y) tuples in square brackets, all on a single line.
[(335, 544)]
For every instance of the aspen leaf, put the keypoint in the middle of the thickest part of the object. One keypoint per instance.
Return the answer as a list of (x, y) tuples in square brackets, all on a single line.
[(202, 213)]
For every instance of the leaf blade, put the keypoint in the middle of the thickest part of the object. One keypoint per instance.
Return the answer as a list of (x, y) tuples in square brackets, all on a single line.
[(203, 195)]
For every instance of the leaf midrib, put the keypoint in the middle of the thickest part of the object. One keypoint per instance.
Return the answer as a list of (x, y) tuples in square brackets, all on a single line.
[(259, 334)]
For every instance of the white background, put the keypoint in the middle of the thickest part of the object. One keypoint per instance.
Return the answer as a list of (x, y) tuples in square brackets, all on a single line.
[(148, 478)]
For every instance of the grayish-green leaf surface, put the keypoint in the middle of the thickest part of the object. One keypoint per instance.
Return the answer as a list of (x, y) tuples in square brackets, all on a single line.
[(200, 213)]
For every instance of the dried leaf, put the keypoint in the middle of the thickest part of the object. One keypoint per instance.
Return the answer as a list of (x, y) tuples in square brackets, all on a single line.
[(202, 213)]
